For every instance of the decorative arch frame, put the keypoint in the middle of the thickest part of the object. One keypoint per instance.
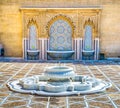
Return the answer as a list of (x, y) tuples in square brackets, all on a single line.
[(60, 17), (90, 23), (32, 22)]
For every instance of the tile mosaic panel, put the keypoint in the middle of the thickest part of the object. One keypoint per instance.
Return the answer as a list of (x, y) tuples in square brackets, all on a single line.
[(33, 35), (60, 36), (88, 38)]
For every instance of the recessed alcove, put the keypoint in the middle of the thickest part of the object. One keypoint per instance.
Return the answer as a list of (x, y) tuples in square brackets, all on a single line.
[(60, 41), (63, 31), (32, 50)]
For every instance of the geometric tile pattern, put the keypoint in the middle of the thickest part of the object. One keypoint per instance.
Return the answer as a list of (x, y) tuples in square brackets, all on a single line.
[(33, 37), (106, 70), (88, 38), (60, 36)]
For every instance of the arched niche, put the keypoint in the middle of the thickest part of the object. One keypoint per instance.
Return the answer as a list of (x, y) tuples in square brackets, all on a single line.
[(88, 38), (60, 38), (32, 35), (32, 51), (60, 17), (60, 30), (89, 35), (60, 35)]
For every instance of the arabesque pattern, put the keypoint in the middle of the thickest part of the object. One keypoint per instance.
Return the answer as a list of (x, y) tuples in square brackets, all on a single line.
[(60, 36)]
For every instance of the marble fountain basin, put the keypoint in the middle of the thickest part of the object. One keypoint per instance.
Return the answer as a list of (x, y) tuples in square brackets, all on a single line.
[(60, 54), (59, 72), (59, 81), (33, 52), (88, 52)]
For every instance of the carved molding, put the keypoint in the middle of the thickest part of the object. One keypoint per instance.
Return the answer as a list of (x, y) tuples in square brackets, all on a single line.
[(62, 17), (77, 19), (30, 20), (91, 23)]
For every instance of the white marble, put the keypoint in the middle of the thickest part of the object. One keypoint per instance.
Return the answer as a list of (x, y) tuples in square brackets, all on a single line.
[(59, 81), (88, 38), (60, 54)]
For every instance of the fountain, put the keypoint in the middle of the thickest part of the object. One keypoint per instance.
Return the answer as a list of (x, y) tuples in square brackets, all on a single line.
[(59, 81), (61, 55), (33, 54)]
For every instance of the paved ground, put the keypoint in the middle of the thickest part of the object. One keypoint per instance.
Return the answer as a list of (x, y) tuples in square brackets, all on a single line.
[(106, 70)]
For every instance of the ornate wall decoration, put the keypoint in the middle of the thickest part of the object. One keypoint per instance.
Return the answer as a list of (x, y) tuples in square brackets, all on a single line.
[(62, 17), (93, 25), (32, 37), (32, 34), (88, 38), (30, 20), (50, 23), (89, 29), (60, 36), (89, 22)]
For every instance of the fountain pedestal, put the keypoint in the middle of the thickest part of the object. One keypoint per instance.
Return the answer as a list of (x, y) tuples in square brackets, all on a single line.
[(59, 81), (59, 78)]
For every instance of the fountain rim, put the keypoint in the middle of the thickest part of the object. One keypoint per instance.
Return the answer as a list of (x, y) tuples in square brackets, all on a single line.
[(33, 50), (54, 51), (58, 68), (44, 93), (88, 51)]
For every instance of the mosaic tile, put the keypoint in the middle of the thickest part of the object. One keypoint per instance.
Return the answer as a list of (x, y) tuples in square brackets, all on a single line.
[(14, 104), (100, 105), (37, 106), (60, 36)]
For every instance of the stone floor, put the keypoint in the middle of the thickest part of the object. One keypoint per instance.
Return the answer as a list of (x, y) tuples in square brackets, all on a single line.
[(106, 70)]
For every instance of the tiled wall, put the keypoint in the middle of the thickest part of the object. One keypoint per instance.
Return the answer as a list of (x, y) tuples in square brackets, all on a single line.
[(33, 37), (11, 29), (60, 36), (88, 38)]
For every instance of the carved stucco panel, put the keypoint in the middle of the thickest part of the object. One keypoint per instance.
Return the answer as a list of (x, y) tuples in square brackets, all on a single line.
[(27, 20)]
